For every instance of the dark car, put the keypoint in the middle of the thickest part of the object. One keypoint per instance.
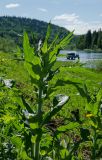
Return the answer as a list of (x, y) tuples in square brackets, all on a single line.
[(72, 56)]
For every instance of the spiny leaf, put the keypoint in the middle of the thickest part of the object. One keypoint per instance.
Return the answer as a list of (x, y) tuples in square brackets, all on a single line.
[(65, 41), (28, 51), (85, 89), (99, 95), (53, 43), (19, 53), (27, 106), (45, 45), (30, 70)]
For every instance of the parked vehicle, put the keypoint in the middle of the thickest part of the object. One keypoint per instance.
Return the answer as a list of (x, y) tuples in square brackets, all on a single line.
[(72, 56)]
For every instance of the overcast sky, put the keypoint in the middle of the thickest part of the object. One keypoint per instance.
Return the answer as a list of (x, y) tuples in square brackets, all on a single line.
[(80, 15)]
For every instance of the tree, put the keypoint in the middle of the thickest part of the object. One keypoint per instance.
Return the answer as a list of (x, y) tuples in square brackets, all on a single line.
[(81, 42), (88, 39), (99, 41), (94, 39)]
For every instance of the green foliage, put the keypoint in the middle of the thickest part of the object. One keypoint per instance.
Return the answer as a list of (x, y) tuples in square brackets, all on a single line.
[(90, 41), (7, 45), (11, 35), (39, 65), (34, 123)]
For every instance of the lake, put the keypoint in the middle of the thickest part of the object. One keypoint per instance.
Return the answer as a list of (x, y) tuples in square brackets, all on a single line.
[(90, 59)]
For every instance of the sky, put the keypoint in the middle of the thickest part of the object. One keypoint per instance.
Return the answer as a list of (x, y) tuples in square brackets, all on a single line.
[(77, 15)]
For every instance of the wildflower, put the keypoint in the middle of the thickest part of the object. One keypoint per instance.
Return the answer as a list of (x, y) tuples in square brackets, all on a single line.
[(89, 115)]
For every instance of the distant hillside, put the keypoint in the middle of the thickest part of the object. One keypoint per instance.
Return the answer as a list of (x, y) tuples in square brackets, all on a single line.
[(11, 31), (12, 28)]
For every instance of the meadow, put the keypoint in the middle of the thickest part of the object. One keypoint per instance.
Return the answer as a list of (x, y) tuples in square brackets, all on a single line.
[(53, 111)]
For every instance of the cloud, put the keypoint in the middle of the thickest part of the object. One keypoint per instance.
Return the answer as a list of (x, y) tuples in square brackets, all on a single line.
[(73, 22), (101, 14), (42, 9), (83, 27), (67, 17), (12, 5)]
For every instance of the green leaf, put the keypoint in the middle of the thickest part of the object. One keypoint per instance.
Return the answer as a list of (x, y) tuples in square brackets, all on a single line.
[(33, 139), (99, 95), (7, 118), (66, 40), (56, 48), (27, 106), (19, 53), (28, 51), (30, 68), (36, 69), (33, 125), (67, 127), (45, 45), (53, 43), (87, 96), (63, 143), (17, 141), (42, 152), (60, 101), (24, 156), (23, 104), (19, 101), (63, 153), (48, 158), (52, 54), (95, 109), (51, 74), (36, 60)]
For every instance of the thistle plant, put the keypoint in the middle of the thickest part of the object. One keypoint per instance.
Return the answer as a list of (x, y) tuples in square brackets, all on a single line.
[(39, 64)]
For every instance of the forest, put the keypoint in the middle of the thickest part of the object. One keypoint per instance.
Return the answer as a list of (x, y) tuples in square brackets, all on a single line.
[(91, 41), (12, 28)]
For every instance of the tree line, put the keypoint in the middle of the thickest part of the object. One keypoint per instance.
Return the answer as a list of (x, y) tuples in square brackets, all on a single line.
[(90, 40)]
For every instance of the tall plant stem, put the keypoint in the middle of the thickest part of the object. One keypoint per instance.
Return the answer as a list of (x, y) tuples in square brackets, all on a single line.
[(94, 146), (37, 145)]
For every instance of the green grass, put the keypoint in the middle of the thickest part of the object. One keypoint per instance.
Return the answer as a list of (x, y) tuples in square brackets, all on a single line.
[(69, 81), (62, 55), (13, 69), (70, 77)]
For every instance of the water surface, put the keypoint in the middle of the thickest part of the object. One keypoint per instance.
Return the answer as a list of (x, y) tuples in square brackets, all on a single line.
[(90, 59)]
